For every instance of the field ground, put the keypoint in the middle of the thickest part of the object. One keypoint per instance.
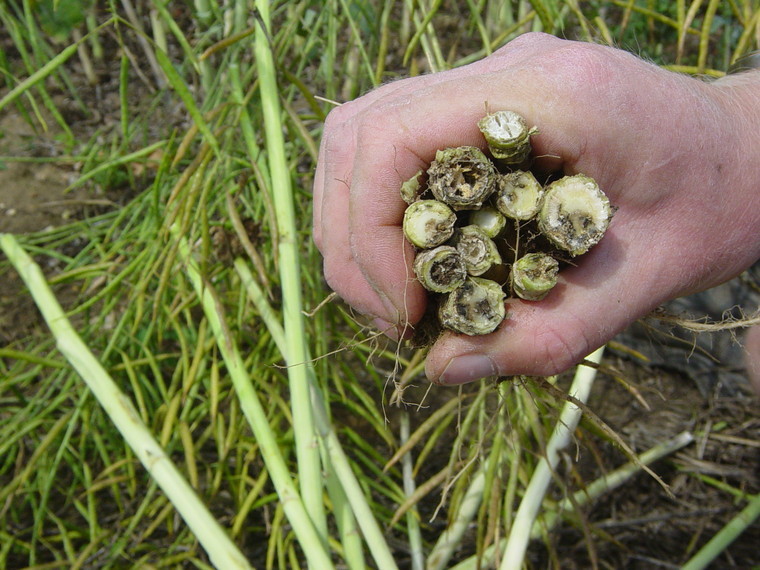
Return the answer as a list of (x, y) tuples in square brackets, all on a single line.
[(75, 496)]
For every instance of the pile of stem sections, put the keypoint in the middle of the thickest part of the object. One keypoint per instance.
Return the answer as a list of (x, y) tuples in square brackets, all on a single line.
[(485, 229)]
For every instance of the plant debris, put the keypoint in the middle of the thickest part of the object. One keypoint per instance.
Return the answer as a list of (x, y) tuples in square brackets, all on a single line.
[(463, 209)]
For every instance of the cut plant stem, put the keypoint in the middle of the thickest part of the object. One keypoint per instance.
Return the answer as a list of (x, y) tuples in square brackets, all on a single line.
[(462, 177), (719, 543), (410, 190), (428, 223), (507, 135), (518, 195), (488, 219), (475, 308), (441, 269), (534, 275), (575, 213), (478, 251)]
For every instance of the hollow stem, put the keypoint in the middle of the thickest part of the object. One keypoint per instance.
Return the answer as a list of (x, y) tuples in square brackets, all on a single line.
[(462, 177), (428, 223), (534, 275), (478, 251), (441, 269), (475, 308), (575, 213)]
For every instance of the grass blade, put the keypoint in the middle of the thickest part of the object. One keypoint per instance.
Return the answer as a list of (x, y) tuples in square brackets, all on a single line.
[(39, 75)]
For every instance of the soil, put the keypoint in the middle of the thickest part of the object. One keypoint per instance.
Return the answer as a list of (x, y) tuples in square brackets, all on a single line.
[(644, 527), (32, 198), (638, 526)]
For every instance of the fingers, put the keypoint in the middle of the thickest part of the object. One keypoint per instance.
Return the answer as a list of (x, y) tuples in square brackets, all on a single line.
[(395, 146), (339, 142), (395, 139), (370, 146), (333, 182)]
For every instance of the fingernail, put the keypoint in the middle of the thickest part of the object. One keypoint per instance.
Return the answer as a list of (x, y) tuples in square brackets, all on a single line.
[(462, 369)]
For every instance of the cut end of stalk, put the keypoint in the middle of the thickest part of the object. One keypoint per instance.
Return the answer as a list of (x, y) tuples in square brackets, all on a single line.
[(575, 213), (488, 219), (478, 251), (440, 270), (428, 223), (462, 177), (519, 195), (507, 135), (475, 308), (534, 275), (411, 189)]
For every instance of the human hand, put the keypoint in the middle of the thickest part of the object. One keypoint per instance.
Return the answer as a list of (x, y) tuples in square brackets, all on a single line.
[(677, 156)]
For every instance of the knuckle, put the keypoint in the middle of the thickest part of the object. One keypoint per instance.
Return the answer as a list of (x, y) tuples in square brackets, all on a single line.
[(582, 67), (528, 39), (316, 235), (337, 134), (337, 116)]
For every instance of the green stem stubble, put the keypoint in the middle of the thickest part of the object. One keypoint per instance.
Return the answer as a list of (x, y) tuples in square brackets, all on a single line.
[(309, 538), (307, 451), (300, 371), (346, 495), (412, 516), (725, 536), (452, 537), (605, 484)]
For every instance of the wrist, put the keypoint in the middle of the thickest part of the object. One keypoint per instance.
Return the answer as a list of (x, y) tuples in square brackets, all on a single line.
[(739, 96)]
